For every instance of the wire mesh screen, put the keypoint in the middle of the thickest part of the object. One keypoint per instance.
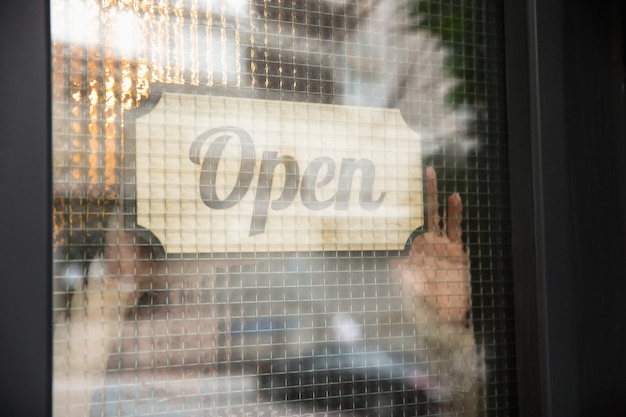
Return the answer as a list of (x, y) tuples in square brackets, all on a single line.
[(279, 208)]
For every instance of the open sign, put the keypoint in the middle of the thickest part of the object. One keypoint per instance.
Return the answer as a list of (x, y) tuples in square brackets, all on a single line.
[(227, 174)]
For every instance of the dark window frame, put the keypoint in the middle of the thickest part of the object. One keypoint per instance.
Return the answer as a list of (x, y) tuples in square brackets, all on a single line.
[(25, 221), (565, 88), (567, 130)]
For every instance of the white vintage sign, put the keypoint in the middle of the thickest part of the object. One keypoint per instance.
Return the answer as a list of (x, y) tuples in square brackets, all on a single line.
[(227, 174)]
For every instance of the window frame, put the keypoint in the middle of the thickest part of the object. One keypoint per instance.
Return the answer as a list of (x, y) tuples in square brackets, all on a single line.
[(566, 261)]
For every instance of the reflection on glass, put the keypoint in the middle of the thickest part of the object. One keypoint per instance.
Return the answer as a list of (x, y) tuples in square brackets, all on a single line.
[(350, 293)]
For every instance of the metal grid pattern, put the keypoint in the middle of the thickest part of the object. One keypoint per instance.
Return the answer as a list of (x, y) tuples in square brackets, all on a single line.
[(424, 328)]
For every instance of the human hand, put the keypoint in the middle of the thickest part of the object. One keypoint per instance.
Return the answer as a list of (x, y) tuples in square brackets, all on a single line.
[(437, 268)]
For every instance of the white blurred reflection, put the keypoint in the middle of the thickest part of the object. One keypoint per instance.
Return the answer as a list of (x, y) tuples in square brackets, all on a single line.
[(361, 53)]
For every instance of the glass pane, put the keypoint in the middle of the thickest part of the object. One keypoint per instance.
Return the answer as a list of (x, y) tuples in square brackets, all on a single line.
[(280, 208)]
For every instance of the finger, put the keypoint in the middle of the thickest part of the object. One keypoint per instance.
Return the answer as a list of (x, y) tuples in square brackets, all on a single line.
[(78, 302), (432, 205), (455, 217)]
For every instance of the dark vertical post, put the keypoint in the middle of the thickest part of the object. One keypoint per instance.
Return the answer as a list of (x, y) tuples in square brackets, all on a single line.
[(25, 209), (566, 125)]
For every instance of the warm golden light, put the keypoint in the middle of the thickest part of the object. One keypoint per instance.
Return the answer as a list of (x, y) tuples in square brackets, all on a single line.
[(106, 54)]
